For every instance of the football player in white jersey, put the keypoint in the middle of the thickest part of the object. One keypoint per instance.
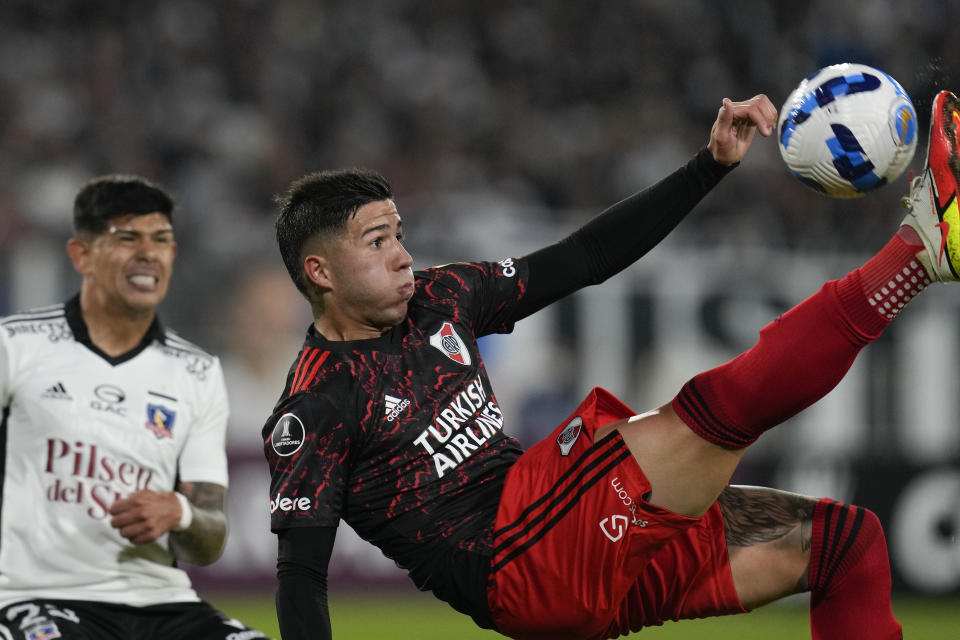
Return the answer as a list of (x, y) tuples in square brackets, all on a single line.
[(112, 442)]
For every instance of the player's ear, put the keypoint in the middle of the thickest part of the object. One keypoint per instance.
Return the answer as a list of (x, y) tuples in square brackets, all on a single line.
[(318, 270), (79, 252)]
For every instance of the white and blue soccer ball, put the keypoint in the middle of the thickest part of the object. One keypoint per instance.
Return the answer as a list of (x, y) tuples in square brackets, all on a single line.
[(847, 129)]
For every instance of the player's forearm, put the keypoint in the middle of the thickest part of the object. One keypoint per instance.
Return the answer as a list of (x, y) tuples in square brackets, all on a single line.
[(620, 235), (626, 231), (302, 611), (303, 555), (203, 540)]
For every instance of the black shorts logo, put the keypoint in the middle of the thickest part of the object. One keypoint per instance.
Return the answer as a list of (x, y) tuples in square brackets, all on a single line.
[(288, 435)]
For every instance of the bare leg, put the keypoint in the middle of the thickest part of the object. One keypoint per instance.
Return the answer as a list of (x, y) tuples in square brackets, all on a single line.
[(686, 472), (768, 538), (781, 543)]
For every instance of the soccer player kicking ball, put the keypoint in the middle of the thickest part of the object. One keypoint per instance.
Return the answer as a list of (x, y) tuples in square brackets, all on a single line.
[(113, 462), (615, 521)]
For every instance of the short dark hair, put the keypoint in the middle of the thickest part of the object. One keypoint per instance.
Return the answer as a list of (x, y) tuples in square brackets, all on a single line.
[(322, 202), (106, 197)]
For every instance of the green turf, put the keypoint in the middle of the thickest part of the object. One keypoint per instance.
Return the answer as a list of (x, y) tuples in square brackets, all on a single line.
[(420, 617)]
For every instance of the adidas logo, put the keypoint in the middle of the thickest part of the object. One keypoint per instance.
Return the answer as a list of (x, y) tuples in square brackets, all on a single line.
[(58, 392), (394, 406)]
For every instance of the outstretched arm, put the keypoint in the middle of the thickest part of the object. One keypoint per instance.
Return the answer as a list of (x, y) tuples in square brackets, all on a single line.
[(625, 232), (144, 516)]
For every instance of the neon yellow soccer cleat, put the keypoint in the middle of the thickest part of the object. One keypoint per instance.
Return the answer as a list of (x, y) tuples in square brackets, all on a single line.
[(932, 203)]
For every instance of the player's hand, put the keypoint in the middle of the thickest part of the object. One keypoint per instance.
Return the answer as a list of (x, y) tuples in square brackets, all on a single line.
[(145, 515), (736, 124)]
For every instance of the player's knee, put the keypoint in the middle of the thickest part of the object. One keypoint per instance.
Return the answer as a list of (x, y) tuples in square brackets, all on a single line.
[(848, 544), (872, 536)]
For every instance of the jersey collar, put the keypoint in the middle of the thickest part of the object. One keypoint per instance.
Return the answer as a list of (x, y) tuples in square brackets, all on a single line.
[(389, 342), (82, 335)]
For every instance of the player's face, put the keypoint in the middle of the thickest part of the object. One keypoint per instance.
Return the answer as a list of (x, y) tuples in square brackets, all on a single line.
[(127, 268), (371, 273)]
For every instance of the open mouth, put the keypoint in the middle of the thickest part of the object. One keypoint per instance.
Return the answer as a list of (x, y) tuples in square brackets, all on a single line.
[(143, 282)]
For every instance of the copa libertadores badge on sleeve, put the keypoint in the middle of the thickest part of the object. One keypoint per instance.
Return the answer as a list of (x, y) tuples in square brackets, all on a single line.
[(288, 435)]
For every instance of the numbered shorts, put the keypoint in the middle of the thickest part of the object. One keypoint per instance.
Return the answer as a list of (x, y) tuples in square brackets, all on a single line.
[(579, 553), (86, 620)]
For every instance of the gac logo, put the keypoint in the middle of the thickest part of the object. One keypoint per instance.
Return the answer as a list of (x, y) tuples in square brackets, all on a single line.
[(614, 527)]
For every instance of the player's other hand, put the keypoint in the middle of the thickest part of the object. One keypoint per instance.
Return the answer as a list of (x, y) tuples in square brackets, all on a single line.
[(736, 124), (145, 515)]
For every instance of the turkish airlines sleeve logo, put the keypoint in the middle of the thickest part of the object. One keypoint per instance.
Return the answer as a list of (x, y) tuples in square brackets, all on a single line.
[(614, 527), (450, 344)]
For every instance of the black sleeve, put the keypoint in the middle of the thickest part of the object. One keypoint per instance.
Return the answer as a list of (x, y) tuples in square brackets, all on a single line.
[(619, 236), (302, 558)]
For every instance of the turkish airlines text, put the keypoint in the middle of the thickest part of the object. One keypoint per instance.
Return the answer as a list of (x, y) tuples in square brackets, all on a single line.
[(460, 428)]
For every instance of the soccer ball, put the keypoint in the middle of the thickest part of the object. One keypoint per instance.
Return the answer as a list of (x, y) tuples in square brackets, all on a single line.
[(847, 129)]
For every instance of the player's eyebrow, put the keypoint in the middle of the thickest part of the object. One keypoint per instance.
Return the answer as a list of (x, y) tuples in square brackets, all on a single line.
[(381, 227), (113, 230)]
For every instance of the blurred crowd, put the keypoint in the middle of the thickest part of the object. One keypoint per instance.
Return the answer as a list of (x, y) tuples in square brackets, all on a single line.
[(501, 125)]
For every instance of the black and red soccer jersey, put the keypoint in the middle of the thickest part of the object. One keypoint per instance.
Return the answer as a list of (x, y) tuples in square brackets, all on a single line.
[(401, 436)]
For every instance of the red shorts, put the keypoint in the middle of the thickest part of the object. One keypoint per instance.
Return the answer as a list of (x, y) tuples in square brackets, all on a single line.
[(579, 553)]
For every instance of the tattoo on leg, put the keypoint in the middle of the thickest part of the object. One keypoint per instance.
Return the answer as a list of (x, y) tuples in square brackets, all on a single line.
[(754, 515)]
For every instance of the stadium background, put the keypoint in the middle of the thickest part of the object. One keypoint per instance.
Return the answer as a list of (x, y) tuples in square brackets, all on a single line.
[(502, 126)]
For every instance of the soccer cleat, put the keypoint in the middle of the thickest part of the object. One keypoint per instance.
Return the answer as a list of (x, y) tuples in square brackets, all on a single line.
[(932, 203)]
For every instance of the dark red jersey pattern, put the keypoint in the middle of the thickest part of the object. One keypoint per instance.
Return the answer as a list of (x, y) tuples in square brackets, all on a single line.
[(401, 436)]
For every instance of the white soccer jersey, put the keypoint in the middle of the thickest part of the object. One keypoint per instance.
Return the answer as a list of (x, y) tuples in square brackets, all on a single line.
[(80, 430)]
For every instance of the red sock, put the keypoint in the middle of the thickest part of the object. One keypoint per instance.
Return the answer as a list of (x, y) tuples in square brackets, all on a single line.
[(849, 575), (804, 353)]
